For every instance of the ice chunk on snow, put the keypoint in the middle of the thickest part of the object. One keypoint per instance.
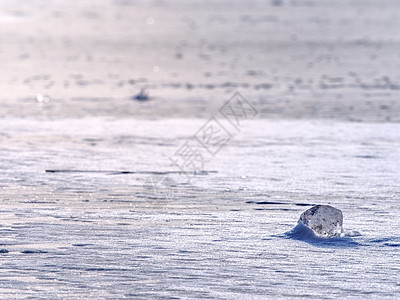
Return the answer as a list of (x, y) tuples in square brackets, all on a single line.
[(323, 220)]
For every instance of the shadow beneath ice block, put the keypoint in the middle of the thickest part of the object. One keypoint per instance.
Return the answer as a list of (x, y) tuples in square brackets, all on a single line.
[(305, 234)]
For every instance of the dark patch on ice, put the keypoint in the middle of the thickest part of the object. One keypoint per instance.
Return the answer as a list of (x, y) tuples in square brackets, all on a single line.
[(341, 183), (4, 251), (229, 84), (348, 176), (380, 240), (143, 95), (82, 245), (303, 233), (275, 179), (392, 244), (33, 251), (105, 269), (304, 204), (189, 86), (366, 156), (266, 202), (277, 3), (387, 241), (186, 251), (265, 86)]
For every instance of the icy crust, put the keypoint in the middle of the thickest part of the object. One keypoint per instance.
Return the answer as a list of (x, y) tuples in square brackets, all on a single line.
[(324, 220)]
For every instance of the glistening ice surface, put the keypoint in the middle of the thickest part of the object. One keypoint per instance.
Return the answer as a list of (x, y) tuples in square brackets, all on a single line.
[(324, 79), (106, 235), (324, 221)]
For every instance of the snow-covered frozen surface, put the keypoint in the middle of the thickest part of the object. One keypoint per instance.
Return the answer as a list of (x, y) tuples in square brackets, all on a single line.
[(221, 236)]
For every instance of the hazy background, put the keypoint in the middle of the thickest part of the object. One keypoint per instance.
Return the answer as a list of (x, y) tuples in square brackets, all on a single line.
[(293, 58)]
